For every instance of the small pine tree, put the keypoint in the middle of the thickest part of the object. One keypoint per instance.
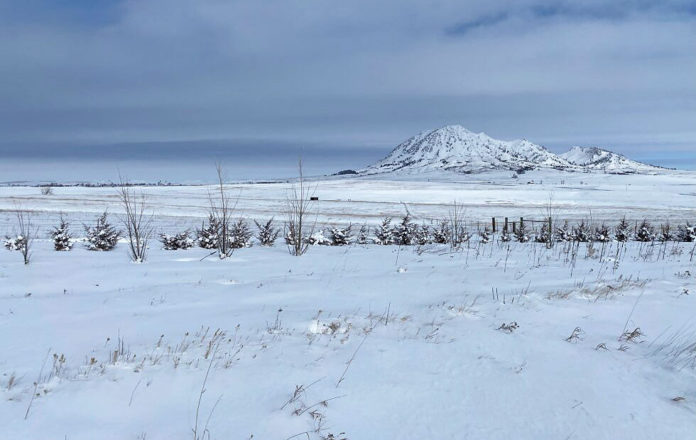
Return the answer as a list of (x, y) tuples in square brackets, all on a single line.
[(544, 234), (102, 236), (383, 234), (505, 236), (363, 234), (645, 232), (442, 233), (404, 233), (62, 240), (423, 236), (267, 234), (622, 233), (521, 233), (240, 235), (340, 236), (601, 234), (666, 233), (485, 235), (208, 235), (17, 243), (318, 238), (686, 233), (178, 241), (563, 233), (581, 233)]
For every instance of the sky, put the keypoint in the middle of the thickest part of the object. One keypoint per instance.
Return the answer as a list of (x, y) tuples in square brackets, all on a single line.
[(343, 74)]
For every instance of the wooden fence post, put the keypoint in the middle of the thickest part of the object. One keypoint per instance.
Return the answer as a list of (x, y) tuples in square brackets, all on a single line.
[(505, 228), (493, 223)]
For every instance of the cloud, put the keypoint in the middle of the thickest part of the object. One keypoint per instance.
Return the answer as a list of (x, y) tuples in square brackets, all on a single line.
[(361, 72)]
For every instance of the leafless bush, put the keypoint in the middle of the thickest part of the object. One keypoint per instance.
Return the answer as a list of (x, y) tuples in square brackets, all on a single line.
[(47, 190), (24, 235), (297, 210), (458, 232), (221, 209), (138, 225)]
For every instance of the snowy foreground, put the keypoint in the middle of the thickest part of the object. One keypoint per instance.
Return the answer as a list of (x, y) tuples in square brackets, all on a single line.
[(494, 341)]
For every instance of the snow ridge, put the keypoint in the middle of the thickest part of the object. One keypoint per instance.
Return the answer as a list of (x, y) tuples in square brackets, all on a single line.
[(454, 148)]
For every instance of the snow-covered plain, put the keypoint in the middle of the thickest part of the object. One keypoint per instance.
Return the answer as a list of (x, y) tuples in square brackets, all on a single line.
[(370, 341), (382, 341), (591, 196)]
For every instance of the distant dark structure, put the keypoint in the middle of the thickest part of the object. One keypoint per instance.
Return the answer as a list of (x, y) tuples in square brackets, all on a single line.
[(345, 172)]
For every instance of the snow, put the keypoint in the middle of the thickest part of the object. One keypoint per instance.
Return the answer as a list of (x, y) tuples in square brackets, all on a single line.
[(397, 343), (366, 200)]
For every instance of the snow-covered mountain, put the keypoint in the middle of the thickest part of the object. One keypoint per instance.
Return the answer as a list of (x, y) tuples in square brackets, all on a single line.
[(454, 148), (594, 158)]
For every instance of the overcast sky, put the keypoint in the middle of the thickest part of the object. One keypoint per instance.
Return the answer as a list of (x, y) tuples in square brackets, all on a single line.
[(615, 73)]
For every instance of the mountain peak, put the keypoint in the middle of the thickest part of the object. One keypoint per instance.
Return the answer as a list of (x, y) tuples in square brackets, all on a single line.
[(455, 148), (600, 159)]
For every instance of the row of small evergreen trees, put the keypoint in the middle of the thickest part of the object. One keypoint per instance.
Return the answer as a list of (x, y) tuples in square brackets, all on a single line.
[(103, 236)]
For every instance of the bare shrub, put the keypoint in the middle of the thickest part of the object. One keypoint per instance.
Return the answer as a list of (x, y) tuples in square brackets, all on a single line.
[(24, 236), (297, 210), (138, 224), (458, 232), (47, 190), (221, 210)]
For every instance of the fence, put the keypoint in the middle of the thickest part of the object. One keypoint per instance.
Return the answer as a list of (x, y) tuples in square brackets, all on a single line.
[(507, 223)]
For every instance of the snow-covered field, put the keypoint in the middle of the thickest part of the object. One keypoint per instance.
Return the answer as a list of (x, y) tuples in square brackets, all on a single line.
[(598, 197), (373, 342), (491, 341)]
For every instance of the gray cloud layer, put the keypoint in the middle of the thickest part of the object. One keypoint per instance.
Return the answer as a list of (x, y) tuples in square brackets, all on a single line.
[(359, 72)]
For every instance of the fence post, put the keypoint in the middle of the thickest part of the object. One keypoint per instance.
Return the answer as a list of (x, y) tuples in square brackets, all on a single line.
[(521, 223), (493, 223), (505, 228), (514, 227)]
